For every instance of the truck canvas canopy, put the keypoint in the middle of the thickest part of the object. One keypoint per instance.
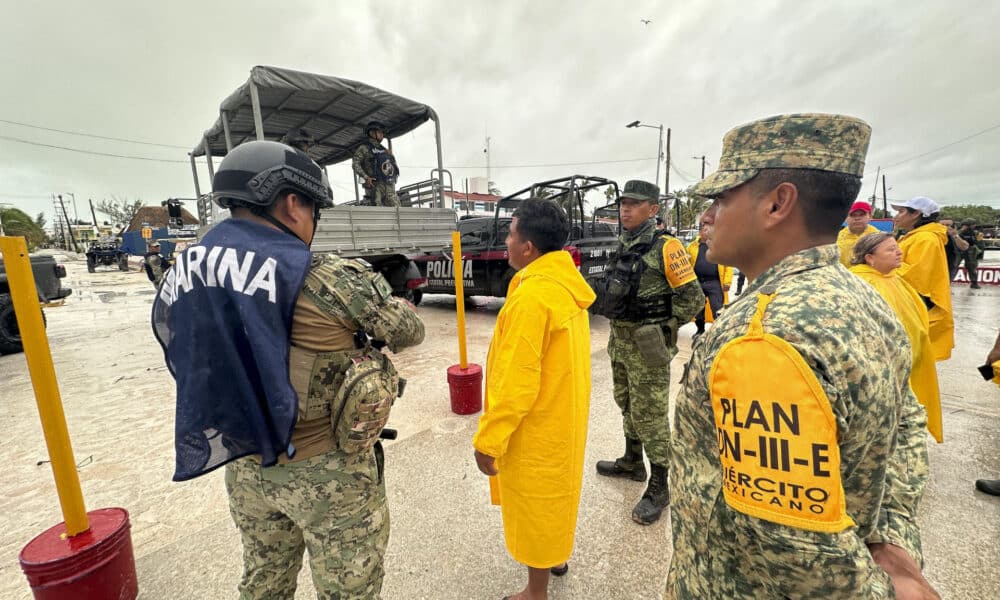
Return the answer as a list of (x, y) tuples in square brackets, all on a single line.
[(332, 109)]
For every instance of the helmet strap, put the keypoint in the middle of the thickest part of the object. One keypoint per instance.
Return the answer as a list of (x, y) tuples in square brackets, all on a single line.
[(270, 218)]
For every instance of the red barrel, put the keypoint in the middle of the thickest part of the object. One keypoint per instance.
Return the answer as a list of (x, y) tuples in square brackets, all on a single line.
[(466, 387), (94, 565)]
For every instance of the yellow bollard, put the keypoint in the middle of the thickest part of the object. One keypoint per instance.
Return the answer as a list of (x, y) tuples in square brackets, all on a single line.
[(43, 379), (456, 243)]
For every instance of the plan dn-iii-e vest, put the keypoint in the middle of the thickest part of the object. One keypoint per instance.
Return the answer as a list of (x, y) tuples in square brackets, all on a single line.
[(383, 163), (633, 288)]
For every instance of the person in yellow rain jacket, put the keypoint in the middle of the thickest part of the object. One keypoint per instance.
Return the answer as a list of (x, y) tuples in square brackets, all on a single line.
[(925, 267), (715, 280), (857, 225), (875, 258), (533, 430)]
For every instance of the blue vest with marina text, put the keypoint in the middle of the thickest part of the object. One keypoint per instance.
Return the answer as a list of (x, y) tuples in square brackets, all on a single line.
[(223, 316)]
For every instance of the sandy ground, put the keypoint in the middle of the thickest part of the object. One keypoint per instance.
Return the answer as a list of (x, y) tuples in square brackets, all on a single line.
[(446, 541)]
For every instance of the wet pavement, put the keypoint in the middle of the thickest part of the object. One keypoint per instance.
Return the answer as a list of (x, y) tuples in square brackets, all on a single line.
[(447, 542)]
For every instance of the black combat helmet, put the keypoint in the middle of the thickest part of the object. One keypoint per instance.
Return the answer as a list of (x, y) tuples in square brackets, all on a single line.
[(374, 126), (255, 173)]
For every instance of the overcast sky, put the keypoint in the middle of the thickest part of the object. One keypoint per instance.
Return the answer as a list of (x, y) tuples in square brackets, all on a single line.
[(550, 82)]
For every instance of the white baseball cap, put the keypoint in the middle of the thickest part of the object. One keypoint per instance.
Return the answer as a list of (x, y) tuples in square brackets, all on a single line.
[(925, 205)]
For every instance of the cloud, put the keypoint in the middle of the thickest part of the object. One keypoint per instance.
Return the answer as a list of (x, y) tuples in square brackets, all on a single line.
[(548, 82)]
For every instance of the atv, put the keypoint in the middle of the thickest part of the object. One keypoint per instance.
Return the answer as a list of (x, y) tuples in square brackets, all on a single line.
[(106, 251)]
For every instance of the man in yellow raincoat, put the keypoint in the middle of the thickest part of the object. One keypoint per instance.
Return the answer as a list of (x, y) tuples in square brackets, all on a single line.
[(876, 259), (857, 225), (715, 280), (533, 430), (925, 267)]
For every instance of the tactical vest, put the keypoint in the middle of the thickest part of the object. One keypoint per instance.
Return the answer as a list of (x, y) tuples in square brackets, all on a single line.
[(383, 164), (633, 287), (354, 390)]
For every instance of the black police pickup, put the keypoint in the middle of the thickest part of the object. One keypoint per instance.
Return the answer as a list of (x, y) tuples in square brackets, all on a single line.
[(485, 271)]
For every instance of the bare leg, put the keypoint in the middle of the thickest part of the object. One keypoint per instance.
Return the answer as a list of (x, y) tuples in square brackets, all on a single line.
[(538, 585)]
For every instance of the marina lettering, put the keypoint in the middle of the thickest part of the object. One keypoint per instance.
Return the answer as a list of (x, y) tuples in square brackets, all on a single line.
[(220, 267)]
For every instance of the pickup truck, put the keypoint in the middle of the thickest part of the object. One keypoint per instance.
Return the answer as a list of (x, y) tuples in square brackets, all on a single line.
[(485, 271), (47, 275), (335, 111)]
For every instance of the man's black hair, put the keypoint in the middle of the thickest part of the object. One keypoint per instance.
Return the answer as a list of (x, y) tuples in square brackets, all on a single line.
[(543, 223), (826, 196)]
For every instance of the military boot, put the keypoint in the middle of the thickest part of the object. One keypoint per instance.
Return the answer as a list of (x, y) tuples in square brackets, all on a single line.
[(656, 498), (629, 466)]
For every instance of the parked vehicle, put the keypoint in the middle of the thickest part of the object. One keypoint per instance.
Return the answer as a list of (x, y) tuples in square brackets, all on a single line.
[(47, 275), (107, 252), (335, 111), (485, 271)]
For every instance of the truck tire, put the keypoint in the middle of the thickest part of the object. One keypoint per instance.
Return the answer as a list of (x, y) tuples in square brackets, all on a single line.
[(91, 264), (123, 262), (10, 334)]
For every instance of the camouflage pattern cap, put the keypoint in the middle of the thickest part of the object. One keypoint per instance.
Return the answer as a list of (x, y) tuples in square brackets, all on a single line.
[(835, 143), (642, 191)]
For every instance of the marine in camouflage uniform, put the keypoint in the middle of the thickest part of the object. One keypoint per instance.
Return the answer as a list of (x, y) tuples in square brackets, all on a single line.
[(378, 190), (668, 295), (326, 500), (154, 264), (856, 350)]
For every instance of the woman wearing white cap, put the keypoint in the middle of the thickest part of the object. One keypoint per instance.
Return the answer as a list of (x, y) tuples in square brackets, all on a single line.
[(925, 267)]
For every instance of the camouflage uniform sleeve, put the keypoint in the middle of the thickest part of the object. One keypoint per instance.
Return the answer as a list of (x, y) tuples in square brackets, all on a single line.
[(349, 289), (905, 479), (688, 300), (678, 269), (813, 564), (360, 160)]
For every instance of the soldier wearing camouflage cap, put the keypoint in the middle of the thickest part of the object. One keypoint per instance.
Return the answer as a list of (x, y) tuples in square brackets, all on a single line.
[(799, 450), (278, 380), (648, 292)]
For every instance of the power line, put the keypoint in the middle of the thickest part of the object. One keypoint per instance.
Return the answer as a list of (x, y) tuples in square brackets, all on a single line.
[(534, 166), (91, 152), (93, 135), (948, 145)]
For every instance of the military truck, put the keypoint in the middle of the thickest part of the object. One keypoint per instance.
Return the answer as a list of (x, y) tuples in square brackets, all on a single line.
[(50, 293), (485, 271), (335, 111), (107, 252)]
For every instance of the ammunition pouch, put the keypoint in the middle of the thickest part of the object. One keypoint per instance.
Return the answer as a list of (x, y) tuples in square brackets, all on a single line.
[(354, 389), (652, 345), (617, 290)]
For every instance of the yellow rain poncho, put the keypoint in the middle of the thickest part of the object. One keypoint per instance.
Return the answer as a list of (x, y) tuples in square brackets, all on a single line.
[(537, 404), (725, 277), (846, 241), (925, 267), (912, 313)]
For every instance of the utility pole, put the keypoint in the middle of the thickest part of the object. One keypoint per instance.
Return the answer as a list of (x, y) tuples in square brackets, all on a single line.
[(885, 197), (68, 225), (666, 186), (659, 155), (489, 176), (92, 213), (702, 166)]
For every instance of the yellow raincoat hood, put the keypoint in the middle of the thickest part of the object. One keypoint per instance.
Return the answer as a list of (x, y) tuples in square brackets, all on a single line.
[(925, 267), (912, 313)]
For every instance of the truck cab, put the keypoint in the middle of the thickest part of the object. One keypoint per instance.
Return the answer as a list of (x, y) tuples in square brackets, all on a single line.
[(485, 271)]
